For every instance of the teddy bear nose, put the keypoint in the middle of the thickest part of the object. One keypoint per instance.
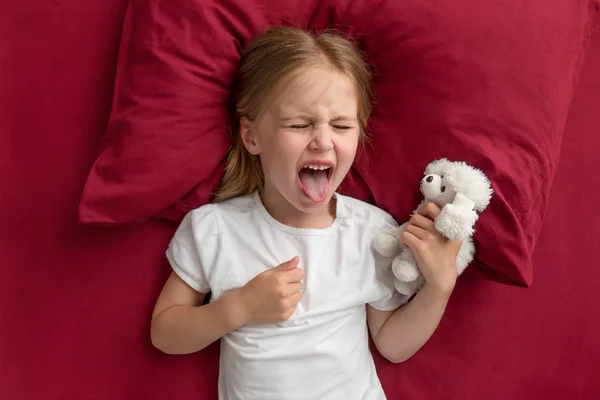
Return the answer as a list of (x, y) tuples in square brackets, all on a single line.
[(429, 178)]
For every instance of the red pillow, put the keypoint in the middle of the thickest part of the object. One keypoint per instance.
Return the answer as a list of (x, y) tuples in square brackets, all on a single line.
[(484, 82)]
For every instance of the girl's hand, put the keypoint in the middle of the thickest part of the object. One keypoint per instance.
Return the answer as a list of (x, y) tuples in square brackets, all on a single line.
[(435, 254), (272, 295)]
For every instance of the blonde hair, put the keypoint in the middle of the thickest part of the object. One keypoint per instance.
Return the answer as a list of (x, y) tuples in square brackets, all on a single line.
[(274, 56)]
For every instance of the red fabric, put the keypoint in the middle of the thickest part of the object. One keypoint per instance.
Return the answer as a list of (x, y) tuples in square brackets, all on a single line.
[(487, 83), (75, 301)]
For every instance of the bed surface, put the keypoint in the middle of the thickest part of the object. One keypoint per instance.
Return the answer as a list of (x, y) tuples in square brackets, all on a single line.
[(75, 301)]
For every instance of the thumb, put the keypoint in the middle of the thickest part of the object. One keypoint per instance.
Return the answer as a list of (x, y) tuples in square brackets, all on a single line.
[(288, 265)]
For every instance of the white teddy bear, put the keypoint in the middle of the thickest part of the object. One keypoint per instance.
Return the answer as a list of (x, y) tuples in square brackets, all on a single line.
[(460, 191)]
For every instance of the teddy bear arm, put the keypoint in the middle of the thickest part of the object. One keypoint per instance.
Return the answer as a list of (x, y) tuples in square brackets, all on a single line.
[(387, 243)]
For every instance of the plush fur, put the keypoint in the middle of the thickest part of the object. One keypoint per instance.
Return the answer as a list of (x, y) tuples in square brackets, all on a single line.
[(460, 191)]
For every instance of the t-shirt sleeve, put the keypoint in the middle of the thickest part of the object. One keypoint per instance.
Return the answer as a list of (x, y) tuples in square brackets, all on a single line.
[(388, 297), (193, 248)]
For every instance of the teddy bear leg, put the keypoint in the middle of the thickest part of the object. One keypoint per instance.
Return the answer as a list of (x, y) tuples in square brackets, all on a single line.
[(418, 284), (403, 288), (405, 267), (409, 288)]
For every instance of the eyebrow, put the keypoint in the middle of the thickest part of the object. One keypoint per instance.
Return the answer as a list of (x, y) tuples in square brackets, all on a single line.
[(307, 117)]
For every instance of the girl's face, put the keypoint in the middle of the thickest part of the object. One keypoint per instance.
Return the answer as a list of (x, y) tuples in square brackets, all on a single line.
[(306, 140)]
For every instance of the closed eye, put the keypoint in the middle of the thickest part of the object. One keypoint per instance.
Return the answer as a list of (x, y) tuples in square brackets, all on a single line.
[(299, 127), (342, 127)]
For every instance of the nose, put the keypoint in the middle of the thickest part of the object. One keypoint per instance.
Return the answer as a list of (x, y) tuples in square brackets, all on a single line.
[(429, 179), (322, 139)]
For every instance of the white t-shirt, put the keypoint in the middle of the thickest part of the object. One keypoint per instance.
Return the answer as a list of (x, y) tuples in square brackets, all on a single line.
[(322, 351)]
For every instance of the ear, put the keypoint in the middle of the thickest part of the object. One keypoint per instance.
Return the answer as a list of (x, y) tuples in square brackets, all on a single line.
[(249, 137), (456, 219)]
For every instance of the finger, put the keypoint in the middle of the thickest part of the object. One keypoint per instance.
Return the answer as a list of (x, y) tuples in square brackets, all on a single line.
[(418, 232), (422, 222), (410, 240), (429, 210), (293, 275), (289, 265), (294, 299), (288, 314), (294, 288)]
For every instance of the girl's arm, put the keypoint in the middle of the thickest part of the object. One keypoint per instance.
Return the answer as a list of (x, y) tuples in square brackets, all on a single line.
[(182, 325), (401, 333)]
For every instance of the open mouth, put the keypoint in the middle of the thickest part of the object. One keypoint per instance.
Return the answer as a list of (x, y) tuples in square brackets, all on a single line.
[(314, 178)]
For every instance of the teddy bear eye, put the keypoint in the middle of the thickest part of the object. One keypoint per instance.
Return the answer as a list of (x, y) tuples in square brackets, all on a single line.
[(443, 189), (441, 176)]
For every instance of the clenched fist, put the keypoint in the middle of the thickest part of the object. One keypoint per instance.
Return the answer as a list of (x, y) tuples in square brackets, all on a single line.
[(272, 295)]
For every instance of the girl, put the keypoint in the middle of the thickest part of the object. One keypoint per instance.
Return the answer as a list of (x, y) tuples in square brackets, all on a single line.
[(296, 287)]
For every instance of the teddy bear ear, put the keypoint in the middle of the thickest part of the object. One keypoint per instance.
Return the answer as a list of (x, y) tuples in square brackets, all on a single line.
[(438, 167)]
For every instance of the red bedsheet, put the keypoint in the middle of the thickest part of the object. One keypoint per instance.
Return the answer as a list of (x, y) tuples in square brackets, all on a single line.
[(75, 301)]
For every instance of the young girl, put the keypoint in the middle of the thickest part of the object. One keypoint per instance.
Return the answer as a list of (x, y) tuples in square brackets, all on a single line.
[(296, 287)]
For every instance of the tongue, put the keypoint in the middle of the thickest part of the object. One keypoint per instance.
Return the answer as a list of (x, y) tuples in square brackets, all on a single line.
[(314, 184)]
